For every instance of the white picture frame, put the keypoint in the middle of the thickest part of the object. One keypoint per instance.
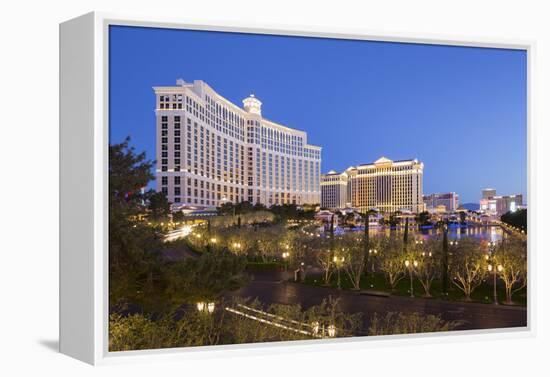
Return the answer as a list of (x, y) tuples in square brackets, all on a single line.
[(84, 188)]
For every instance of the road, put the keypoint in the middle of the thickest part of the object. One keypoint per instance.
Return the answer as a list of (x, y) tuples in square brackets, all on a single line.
[(269, 288)]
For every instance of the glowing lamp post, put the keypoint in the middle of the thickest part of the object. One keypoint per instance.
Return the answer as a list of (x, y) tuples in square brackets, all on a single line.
[(237, 246), (410, 266), (493, 270), (285, 255), (323, 331), (338, 262), (206, 307), (374, 253), (315, 328), (331, 331)]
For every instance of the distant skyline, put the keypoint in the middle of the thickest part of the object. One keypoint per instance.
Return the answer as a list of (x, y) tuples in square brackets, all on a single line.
[(462, 111)]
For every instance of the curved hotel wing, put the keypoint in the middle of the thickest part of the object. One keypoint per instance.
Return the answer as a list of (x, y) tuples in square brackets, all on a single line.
[(210, 151), (386, 185)]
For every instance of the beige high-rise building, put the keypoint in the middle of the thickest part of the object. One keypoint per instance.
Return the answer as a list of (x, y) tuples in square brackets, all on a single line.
[(334, 190), (386, 185), (211, 151)]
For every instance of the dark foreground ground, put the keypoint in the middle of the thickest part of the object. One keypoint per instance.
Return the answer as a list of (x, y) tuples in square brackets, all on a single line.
[(269, 288)]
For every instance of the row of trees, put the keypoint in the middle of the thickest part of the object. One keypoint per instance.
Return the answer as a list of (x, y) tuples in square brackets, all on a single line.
[(280, 211), (465, 264)]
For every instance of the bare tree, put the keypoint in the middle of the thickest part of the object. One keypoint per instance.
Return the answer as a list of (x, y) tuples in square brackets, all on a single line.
[(354, 258), (268, 243), (428, 268), (325, 261), (511, 264), (392, 261), (468, 266)]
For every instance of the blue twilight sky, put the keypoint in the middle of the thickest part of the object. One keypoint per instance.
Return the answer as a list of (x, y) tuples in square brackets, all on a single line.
[(460, 110)]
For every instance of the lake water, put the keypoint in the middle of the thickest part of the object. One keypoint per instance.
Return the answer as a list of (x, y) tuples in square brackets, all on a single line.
[(488, 233)]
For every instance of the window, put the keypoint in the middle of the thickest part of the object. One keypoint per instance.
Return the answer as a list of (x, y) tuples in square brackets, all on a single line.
[(164, 180)]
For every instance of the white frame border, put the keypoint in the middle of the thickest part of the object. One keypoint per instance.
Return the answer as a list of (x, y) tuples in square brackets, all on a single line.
[(102, 21)]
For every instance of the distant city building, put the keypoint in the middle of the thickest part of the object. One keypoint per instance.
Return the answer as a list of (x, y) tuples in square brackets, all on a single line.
[(386, 185), (334, 190), (434, 202), (498, 205), (326, 216), (211, 151), (488, 193)]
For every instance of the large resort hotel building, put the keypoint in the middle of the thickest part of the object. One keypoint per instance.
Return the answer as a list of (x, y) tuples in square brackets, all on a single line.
[(386, 185), (210, 151)]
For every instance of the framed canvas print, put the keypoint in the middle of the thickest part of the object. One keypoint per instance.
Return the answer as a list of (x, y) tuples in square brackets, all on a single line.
[(226, 187)]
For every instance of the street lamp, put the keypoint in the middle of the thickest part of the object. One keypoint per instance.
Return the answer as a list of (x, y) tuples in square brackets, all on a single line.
[(206, 307), (338, 262), (374, 252), (491, 268), (286, 254), (410, 267), (329, 330), (494, 271), (315, 327)]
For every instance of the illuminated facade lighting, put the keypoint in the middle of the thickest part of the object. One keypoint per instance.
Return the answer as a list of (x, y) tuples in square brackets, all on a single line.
[(386, 185), (210, 151)]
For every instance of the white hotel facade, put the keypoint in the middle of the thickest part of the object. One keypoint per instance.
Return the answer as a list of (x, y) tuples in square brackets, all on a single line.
[(386, 185), (210, 151)]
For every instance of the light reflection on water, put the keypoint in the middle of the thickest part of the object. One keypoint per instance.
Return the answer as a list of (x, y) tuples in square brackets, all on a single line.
[(487, 233)]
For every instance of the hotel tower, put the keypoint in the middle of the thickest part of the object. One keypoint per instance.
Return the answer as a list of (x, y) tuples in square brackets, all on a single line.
[(211, 151), (386, 185)]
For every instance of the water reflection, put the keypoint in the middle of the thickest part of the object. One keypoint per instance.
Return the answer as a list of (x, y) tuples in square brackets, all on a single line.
[(486, 233)]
